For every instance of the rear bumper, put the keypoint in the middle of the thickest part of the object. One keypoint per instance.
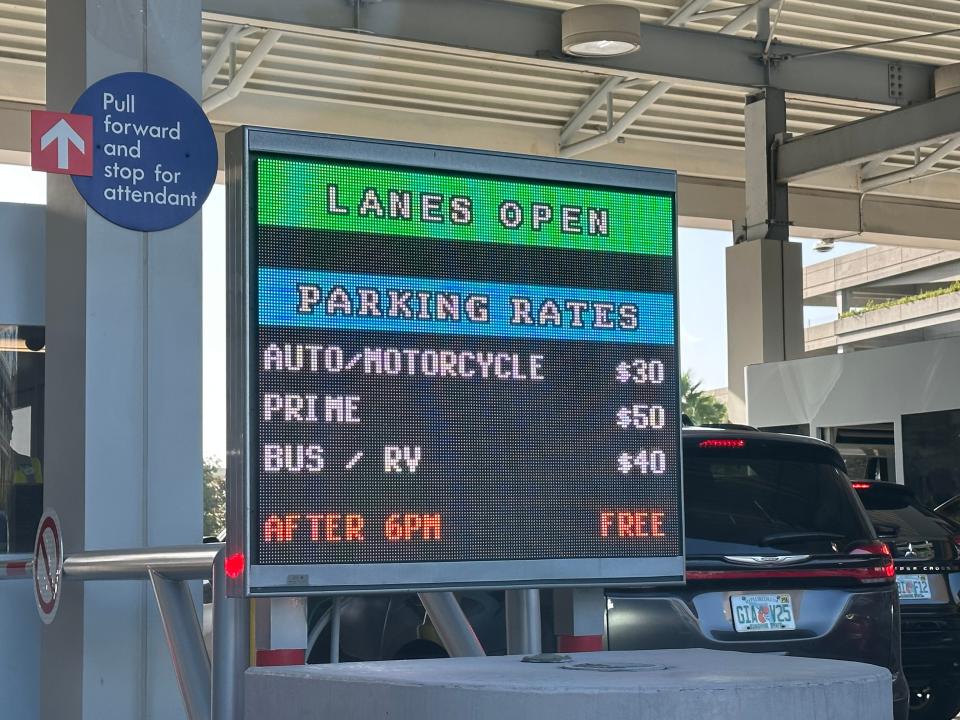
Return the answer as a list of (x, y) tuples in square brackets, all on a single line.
[(865, 629), (930, 641), (859, 626)]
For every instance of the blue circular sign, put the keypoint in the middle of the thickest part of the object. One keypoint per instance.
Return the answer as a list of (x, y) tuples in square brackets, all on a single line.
[(155, 155)]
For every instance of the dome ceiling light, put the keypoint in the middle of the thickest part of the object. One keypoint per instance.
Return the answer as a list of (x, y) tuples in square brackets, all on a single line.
[(603, 30)]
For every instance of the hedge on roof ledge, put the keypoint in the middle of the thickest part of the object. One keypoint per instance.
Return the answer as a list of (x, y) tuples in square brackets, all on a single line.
[(871, 305)]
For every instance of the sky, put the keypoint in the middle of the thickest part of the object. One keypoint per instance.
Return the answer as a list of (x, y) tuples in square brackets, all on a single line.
[(703, 311), (700, 261)]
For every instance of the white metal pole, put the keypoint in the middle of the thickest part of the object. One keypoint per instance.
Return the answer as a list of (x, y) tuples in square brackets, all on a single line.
[(231, 633), (523, 622), (452, 625), (185, 640), (335, 630)]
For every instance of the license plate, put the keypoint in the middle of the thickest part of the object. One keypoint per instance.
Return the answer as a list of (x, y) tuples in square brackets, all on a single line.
[(758, 613), (914, 587)]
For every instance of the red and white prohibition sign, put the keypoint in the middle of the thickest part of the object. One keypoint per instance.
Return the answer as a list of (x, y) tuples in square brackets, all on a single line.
[(48, 566)]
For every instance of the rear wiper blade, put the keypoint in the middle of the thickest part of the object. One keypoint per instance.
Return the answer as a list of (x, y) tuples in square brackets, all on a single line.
[(886, 530), (797, 536)]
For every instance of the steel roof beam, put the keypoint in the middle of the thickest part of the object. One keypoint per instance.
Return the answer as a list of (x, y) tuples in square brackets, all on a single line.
[(873, 167), (686, 12), (746, 16), (603, 94), (620, 126), (615, 130), (243, 75), (220, 53), (873, 170), (874, 137), (924, 167), (720, 12), (532, 33)]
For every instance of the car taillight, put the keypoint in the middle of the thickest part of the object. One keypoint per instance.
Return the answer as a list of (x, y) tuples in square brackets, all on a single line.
[(874, 573), (872, 548), (885, 571), (723, 443), (881, 571), (860, 486)]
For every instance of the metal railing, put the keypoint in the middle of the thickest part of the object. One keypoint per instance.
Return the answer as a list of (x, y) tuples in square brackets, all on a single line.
[(16, 567), (212, 688)]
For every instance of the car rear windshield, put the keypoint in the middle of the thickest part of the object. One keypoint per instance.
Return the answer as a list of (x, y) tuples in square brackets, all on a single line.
[(895, 505), (764, 505)]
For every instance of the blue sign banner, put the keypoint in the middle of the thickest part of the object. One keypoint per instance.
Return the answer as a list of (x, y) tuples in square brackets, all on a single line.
[(155, 154), (355, 301)]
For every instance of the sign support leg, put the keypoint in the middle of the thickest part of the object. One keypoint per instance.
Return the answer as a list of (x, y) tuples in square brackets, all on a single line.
[(335, 629), (281, 629), (231, 632), (452, 625), (579, 619), (185, 640), (523, 622)]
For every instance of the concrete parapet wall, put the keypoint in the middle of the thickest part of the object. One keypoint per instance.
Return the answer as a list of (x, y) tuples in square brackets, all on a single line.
[(861, 387), (883, 264), (884, 322), (675, 685)]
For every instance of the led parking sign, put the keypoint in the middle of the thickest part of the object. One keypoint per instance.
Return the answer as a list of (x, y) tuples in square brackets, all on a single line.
[(449, 369)]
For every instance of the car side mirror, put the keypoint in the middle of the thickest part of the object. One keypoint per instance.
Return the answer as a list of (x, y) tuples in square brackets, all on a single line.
[(886, 530)]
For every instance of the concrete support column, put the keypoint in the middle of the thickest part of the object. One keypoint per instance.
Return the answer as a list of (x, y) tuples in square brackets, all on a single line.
[(578, 619), (764, 269), (123, 404), (843, 304), (843, 301), (281, 631), (899, 473), (767, 210), (764, 311)]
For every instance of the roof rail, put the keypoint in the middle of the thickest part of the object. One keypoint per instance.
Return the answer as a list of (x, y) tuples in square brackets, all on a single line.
[(730, 426)]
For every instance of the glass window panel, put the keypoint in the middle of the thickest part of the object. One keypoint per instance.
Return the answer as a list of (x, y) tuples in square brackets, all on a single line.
[(21, 435)]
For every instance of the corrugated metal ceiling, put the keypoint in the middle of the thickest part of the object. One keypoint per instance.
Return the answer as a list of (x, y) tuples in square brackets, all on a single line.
[(333, 68), (836, 23)]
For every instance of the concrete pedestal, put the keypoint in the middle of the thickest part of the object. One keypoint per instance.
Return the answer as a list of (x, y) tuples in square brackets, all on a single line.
[(648, 685)]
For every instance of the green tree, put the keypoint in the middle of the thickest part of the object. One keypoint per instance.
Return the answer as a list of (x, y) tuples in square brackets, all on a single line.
[(701, 407), (214, 496)]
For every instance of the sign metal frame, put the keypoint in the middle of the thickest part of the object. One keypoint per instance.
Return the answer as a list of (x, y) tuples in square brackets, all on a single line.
[(322, 579)]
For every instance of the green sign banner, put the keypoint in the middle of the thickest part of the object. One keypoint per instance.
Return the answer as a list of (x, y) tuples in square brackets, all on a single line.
[(349, 197)]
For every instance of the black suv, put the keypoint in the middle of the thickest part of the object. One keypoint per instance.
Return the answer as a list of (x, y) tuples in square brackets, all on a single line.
[(927, 561), (781, 558)]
